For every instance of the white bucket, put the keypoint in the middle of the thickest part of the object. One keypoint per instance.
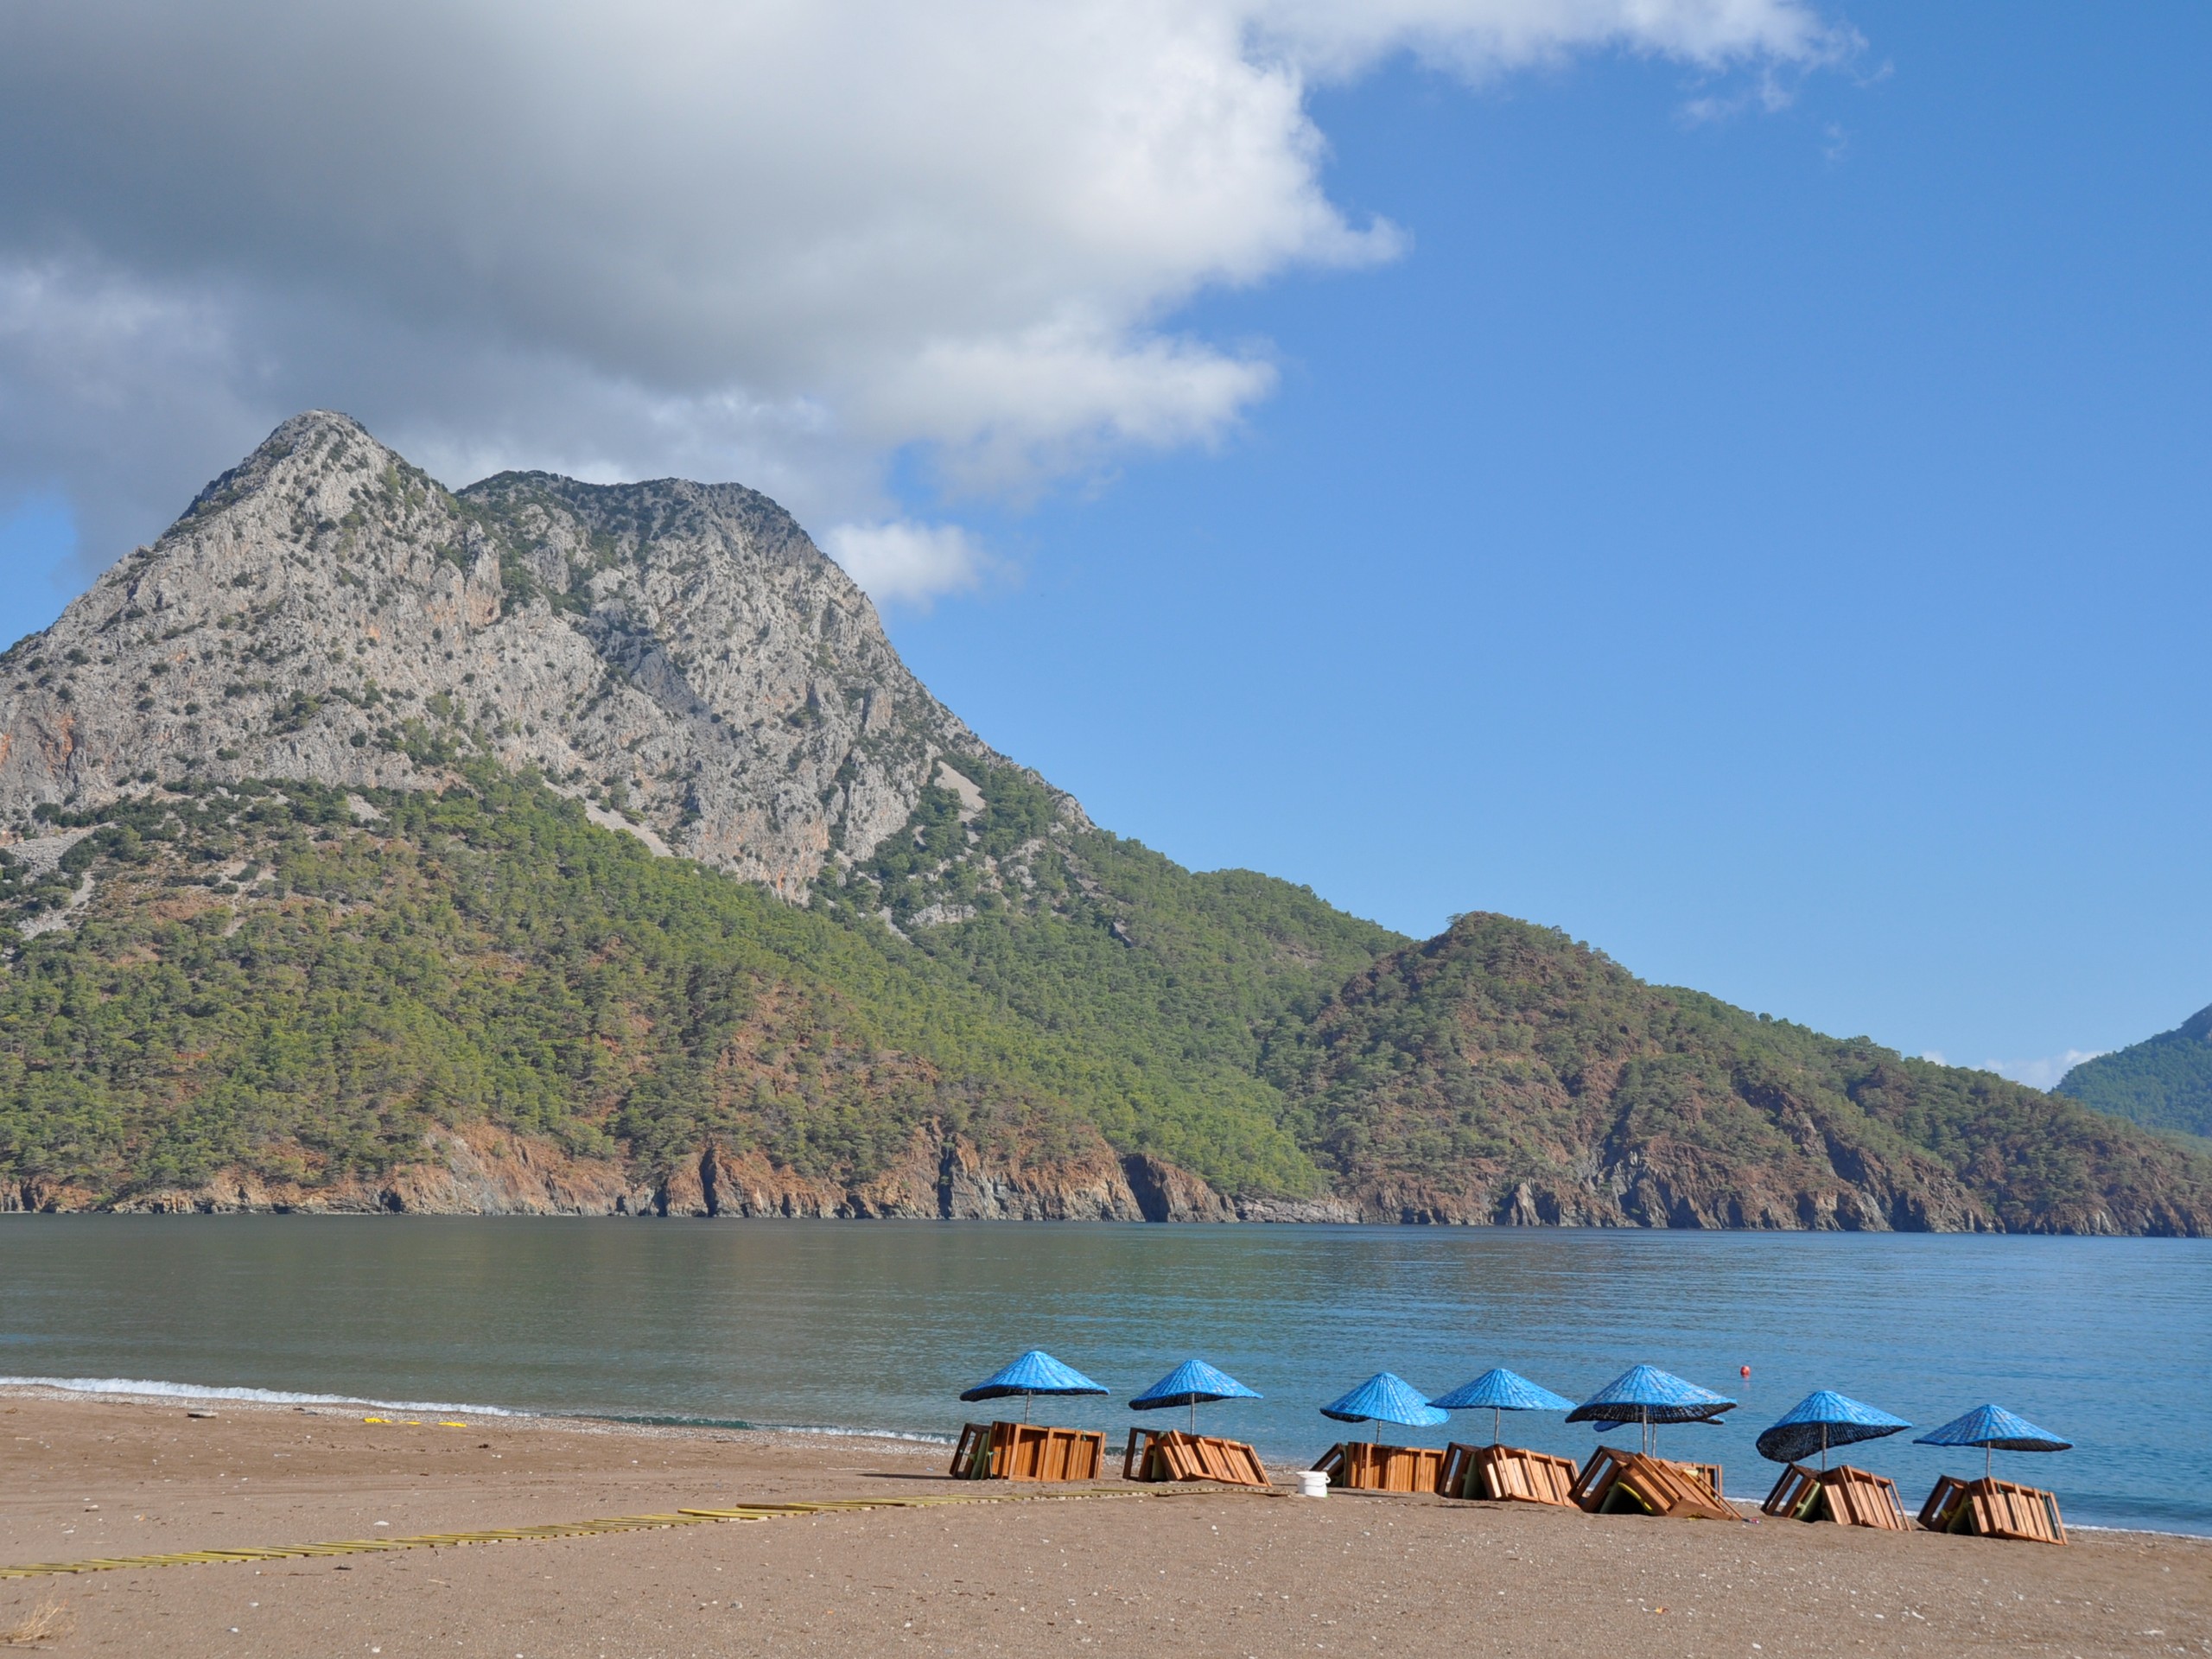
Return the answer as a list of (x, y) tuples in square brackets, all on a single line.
[(1312, 1483)]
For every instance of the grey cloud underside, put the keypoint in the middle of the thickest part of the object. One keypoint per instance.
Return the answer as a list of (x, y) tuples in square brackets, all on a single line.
[(326, 611)]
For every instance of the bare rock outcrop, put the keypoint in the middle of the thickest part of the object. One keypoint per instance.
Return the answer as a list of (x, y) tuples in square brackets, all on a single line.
[(681, 653), (1166, 1192), (481, 1169)]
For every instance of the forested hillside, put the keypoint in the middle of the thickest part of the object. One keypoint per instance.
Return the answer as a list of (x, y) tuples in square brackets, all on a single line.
[(1503, 1072), (272, 980), (286, 994), (2162, 1083)]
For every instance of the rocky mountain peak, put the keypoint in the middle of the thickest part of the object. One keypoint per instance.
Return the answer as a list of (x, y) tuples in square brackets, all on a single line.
[(680, 654)]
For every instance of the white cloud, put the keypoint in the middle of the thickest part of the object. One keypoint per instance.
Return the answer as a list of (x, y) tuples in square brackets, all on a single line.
[(763, 239), (905, 561), (2044, 1073)]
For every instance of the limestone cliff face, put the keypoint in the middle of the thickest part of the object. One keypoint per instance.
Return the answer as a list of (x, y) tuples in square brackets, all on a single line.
[(479, 1169), (680, 653)]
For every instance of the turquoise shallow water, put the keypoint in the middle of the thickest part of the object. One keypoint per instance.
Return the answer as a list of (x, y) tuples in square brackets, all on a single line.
[(878, 1326)]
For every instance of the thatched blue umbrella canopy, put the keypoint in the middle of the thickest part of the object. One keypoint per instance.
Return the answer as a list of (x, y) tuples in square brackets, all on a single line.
[(1993, 1428), (1499, 1389), (1384, 1398), (1193, 1384), (1646, 1395), (1824, 1419), (1036, 1372)]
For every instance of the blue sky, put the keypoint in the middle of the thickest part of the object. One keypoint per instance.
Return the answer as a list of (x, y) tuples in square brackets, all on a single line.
[(1768, 543), (1772, 549)]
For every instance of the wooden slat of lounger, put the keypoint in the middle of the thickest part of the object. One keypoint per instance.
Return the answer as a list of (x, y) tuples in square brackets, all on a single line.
[(1660, 1488), (1362, 1465), (1458, 1469), (1997, 1509), (1036, 1451), (1705, 1474), (1595, 1483), (1510, 1473), (1941, 1512), (1861, 1499), (1249, 1465), (2003, 1510), (1791, 1489)]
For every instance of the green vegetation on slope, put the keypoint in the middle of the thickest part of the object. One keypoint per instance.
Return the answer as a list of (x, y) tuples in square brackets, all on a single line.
[(490, 954), (271, 979), (1112, 949), (1499, 1053), (2161, 1083)]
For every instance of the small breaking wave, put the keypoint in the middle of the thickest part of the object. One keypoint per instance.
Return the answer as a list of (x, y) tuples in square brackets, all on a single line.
[(144, 1388), (664, 1421), (151, 1388), (860, 1433)]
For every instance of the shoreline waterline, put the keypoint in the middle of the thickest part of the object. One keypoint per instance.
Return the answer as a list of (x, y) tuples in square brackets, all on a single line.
[(146, 1391), (810, 1327)]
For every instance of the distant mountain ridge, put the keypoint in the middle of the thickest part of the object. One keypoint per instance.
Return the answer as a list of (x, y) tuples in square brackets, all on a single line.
[(549, 846), (2161, 1083)]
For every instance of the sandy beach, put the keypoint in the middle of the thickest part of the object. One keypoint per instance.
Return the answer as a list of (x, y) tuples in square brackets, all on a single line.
[(1146, 1571)]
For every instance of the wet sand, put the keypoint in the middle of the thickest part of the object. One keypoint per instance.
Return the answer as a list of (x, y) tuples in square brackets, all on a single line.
[(1191, 1571)]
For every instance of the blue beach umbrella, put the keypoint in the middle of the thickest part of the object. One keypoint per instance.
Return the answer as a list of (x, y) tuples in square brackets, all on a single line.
[(1036, 1372), (1824, 1419), (1384, 1398), (1647, 1396), (1193, 1384), (1499, 1389), (1993, 1428)]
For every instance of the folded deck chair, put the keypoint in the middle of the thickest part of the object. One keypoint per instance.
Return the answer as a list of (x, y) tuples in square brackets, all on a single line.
[(1507, 1473), (1027, 1452), (1616, 1481), (1366, 1466), (1151, 1454), (1856, 1498), (1994, 1509)]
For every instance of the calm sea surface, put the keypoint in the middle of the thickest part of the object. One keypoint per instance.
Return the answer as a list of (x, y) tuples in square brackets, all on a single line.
[(878, 1324)]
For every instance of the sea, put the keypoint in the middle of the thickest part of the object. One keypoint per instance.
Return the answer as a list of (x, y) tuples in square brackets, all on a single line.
[(877, 1326)]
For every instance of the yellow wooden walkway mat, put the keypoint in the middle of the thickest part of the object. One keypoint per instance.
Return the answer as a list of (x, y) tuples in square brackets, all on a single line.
[(523, 1534)]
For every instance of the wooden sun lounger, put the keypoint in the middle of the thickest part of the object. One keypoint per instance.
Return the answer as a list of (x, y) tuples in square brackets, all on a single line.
[(1027, 1452), (1151, 1454), (1507, 1472), (1856, 1497), (1994, 1509), (1364, 1467), (1616, 1481)]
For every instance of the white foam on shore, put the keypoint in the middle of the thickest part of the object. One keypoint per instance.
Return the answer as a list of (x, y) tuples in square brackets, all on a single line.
[(143, 1389), (130, 1387), (860, 1433)]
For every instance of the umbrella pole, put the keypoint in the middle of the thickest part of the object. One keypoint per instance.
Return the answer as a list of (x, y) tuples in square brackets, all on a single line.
[(1493, 1425), (1988, 1459), (1025, 1406), (1824, 1448), (1194, 1420)]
